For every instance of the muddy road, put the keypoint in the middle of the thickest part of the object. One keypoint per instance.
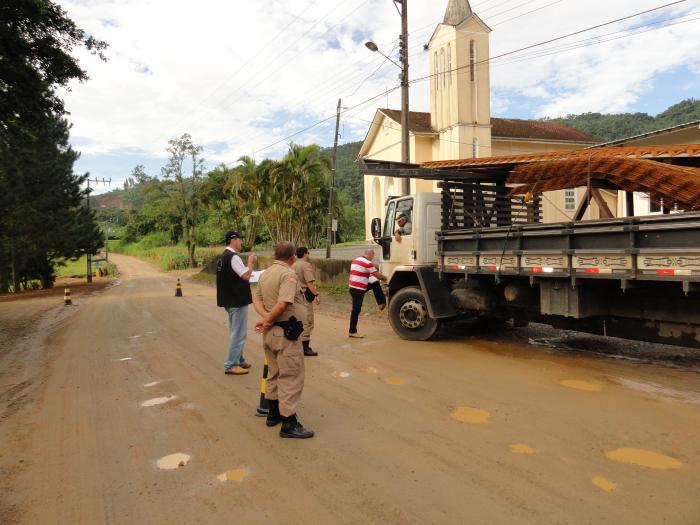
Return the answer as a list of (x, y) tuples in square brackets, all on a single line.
[(97, 399)]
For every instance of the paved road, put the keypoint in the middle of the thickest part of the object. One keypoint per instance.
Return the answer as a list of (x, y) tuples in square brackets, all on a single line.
[(460, 430)]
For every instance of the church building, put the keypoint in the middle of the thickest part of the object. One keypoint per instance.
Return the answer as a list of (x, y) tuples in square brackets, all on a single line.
[(459, 125)]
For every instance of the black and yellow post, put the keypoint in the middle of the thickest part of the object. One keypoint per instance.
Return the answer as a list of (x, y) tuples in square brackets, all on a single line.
[(264, 407), (178, 289), (66, 297)]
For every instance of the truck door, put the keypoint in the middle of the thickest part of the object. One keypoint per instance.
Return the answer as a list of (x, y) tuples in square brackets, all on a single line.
[(403, 250)]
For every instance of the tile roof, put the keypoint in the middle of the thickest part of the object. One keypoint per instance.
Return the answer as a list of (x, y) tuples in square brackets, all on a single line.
[(637, 152), (419, 122)]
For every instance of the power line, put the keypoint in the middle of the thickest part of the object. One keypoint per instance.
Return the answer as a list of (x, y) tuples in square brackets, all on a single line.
[(485, 61)]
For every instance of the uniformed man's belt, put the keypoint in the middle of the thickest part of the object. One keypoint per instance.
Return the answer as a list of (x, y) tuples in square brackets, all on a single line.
[(292, 328)]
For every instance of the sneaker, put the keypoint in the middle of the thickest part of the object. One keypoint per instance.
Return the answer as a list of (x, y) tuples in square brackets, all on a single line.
[(236, 370), (356, 335), (245, 365)]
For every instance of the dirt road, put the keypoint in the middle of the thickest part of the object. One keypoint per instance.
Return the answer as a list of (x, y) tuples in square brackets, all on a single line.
[(454, 431)]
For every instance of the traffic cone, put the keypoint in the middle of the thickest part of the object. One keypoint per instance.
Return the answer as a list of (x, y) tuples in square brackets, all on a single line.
[(178, 289), (264, 407), (66, 297)]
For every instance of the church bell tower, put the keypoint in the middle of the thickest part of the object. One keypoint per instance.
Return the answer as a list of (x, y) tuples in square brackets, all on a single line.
[(459, 87)]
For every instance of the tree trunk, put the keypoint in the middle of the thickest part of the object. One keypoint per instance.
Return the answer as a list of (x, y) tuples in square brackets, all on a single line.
[(4, 270), (15, 268)]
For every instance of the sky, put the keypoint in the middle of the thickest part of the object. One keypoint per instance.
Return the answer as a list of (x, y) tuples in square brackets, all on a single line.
[(249, 77)]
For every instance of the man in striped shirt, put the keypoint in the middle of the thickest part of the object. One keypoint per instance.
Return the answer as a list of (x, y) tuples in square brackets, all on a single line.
[(360, 272)]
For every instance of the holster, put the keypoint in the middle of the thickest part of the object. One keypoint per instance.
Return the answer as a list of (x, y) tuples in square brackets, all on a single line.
[(293, 328)]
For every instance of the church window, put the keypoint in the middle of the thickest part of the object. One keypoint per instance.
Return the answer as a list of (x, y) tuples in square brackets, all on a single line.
[(472, 59), (442, 65), (449, 64), (475, 147), (436, 72)]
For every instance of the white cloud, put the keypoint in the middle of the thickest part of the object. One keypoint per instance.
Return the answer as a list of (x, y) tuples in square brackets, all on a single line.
[(244, 75)]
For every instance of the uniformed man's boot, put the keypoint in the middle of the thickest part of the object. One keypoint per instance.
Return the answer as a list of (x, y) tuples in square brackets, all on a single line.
[(307, 349), (273, 416), (291, 428)]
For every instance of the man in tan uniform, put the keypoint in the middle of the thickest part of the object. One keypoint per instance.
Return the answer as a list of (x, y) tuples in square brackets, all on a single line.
[(305, 274), (279, 301)]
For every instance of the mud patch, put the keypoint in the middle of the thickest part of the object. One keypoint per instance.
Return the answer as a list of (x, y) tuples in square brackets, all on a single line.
[(157, 401), (173, 461), (237, 475), (604, 484), (644, 458), (578, 384), (475, 416)]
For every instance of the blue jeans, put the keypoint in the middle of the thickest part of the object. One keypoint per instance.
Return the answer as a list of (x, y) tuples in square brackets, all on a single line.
[(238, 329)]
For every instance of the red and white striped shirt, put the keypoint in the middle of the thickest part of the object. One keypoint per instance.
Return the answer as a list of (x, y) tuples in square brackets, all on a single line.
[(360, 270)]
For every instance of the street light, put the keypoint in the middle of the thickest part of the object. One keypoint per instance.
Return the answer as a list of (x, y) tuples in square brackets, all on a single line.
[(403, 53)]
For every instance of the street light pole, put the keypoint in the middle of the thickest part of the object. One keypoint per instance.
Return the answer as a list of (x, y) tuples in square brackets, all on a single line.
[(329, 239), (403, 53)]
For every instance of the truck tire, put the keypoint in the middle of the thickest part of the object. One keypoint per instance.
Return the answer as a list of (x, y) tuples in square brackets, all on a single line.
[(408, 315)]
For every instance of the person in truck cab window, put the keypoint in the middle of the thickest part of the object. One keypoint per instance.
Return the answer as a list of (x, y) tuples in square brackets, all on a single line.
[(404, 227)]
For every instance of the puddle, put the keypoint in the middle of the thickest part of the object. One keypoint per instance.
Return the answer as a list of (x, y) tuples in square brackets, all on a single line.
[(604, 484), (173, 461), (393, 380), (578, 384), (371, 370), (660, 391), (233, 475), (475, 416), (644, 458), (521, 448), (339, 374), (157, 401), (126, 358)]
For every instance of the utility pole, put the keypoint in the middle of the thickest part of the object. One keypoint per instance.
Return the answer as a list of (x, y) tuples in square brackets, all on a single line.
[(88, 255), (403, 54), (329, 240)]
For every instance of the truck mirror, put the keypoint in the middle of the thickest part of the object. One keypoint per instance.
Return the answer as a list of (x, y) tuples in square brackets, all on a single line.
[(376, 228)]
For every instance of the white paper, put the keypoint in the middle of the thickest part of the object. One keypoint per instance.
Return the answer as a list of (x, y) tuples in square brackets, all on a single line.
[(255, 276)]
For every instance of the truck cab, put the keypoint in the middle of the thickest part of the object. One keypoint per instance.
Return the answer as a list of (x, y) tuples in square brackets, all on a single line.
[(409, 261)]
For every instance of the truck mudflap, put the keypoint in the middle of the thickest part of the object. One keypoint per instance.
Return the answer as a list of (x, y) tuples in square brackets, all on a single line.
[(437, 293)]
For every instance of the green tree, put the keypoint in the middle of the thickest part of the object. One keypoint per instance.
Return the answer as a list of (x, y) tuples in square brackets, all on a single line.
[(185, 191)]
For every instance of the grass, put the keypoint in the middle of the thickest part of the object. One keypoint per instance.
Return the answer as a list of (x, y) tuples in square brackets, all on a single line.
[(77, 268), (166, 257)]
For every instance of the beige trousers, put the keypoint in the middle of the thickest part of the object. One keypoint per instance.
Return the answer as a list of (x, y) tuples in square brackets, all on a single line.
[(308, 322), (285, 377)]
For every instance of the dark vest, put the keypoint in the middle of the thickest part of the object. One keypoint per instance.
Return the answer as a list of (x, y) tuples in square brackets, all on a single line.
[(231, 290)]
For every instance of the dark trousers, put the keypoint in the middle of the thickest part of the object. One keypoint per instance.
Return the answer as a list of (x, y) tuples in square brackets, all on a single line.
[(357, 296), (376, 288)]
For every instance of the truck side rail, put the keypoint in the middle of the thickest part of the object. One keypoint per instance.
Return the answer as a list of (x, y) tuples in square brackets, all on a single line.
[(662, 247)]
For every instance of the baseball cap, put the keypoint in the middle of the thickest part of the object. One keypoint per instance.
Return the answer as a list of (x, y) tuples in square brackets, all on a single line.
[(232, 235)]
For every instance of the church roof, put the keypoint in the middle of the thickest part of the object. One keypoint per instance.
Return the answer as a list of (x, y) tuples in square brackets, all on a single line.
[(507, 128), (457, 11)]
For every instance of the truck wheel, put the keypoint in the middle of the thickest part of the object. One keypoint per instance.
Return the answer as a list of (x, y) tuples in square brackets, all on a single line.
[(408, 315)]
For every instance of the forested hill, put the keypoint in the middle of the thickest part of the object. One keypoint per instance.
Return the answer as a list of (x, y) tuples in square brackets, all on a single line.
[(621, 125), (607, 127)]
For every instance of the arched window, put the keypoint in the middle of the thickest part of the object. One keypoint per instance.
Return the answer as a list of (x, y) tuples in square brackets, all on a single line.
[(436, 72), (449, 64), (472, 59), (442, 65), (475, 147)]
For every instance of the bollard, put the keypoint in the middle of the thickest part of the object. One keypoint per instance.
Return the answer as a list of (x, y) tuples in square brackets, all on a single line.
[(178, 289), (264, 407), (66, 297)]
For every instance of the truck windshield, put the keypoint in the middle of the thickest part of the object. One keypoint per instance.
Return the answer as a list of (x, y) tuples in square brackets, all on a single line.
[(389, 222)]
